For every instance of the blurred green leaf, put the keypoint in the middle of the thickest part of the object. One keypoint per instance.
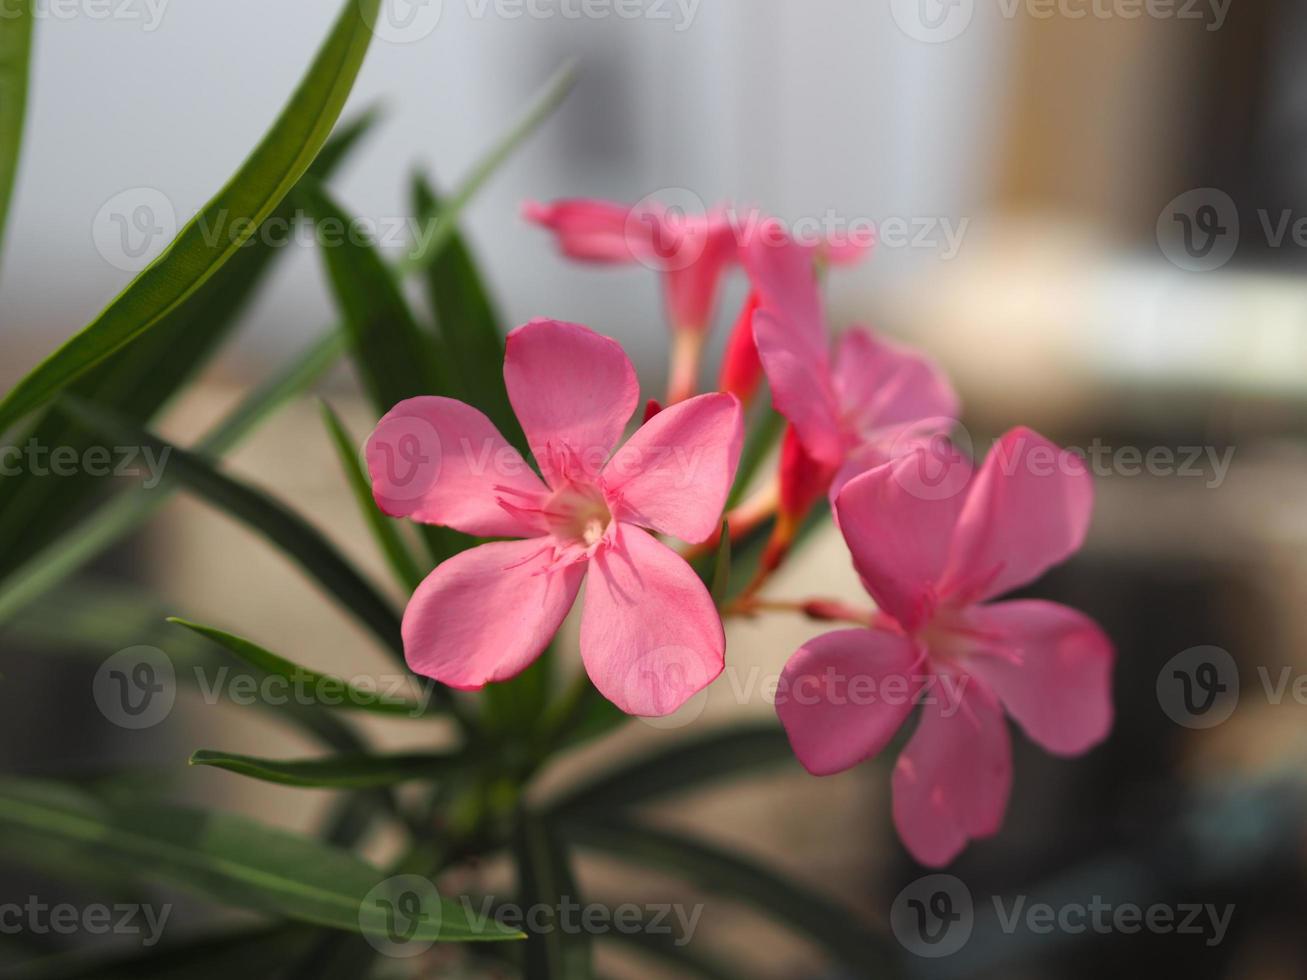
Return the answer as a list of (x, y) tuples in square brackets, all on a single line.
[(383, 527), (229, 859), (689, 764), (15, 57), (544, 881), (233, 215), (395, 358), (720, 872), (335, 772), (280, 525), (468, 323), (126, 511), (677, 953), (514, 707), (326, 690), (764, 432), (721, 572)]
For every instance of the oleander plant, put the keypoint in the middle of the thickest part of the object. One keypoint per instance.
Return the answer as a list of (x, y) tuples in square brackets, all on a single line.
[(516, 473)]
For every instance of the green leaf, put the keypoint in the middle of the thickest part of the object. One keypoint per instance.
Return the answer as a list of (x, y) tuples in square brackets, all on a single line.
[(469, 325), (225, 223), (721, 573), (762, 438), (382, 527), (687, 765), (544, 881), (226, 858), (273, 520), (335, 772), (396, 359), (326, 690), (140, 379), (15, 56), (723, 873), (123, 513), (514, 707), (684, 958)]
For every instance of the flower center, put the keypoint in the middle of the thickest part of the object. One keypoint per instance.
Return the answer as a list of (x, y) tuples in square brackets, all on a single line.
[(579, 515)]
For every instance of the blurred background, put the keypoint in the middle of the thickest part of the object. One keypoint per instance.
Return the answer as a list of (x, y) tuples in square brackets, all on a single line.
[(1092, 212)]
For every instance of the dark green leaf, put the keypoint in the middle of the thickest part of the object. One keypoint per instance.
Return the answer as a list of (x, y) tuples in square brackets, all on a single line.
[(15, 55), (217, 233), (283, 527), (383, 528), (228, 859), (326, 690), (469, 325), (333, 772), (721, 572), (688, 764), (545, 881), (396, 359), (721, 872)]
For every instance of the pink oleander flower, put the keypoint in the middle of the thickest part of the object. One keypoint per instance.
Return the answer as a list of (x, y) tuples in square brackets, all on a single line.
[(650, 634), (848, 410), (692, 251), (933, 545)]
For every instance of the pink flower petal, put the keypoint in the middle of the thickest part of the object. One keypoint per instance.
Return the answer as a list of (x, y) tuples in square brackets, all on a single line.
[(650, 636), (1028, 509), (674, 474), (587, 230), (440, 461), (1051, 666), (573, 391), (705, 250), (900, 535), (843, 695), (880, 384), (951, 783), (801, 389), (785, 276), (487, 613)]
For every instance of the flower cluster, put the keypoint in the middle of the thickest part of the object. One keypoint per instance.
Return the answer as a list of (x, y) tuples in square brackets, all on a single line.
[(935, 538)]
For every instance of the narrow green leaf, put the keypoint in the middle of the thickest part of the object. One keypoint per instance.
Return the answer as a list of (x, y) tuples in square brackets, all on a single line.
[(514, 707), (333, 772), (545, 881), (437, 235), (469, 324), (15, 57), (688, 764), (326, 690), (225, 223), (721, 573), (396, 359), (229, 859), (273, 520), (123, 513), (382, 527), (723, 873)]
